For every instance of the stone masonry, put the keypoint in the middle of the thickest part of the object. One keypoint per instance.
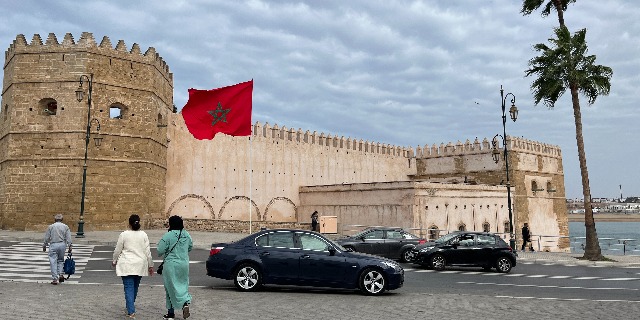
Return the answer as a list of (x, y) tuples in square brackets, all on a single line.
[(42, 132), (149, 164)]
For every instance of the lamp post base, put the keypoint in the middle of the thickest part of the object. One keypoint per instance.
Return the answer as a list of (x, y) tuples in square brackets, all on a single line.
[(80, 233), (512, 244)]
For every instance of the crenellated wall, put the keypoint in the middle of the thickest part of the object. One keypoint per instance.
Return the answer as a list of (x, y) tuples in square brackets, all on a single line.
[(43, 127), (536, 177), (149, 164), (211, 178)]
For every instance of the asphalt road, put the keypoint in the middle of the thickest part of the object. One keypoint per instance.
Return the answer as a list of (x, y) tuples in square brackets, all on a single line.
[(525, 280), (530, 291)]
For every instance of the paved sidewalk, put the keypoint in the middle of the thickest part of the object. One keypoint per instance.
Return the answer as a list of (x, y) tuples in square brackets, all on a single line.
[(203, 240)]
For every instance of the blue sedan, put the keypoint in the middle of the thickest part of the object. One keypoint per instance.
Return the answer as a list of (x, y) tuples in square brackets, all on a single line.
[(299, 257)]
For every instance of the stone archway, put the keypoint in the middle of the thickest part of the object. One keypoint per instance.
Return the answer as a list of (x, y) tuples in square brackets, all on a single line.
[(236, 208), (281, 209), (191, 206)]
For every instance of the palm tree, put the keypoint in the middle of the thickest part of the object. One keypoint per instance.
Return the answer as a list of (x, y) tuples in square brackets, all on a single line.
[(563, 66), (529, 6)]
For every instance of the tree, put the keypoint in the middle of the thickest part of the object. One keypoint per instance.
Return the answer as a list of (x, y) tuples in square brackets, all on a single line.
[(566, 65)]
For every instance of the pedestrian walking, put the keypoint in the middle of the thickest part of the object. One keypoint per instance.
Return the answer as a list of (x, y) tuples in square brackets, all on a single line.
[(174, 247), (314, 221), (58, 238), (132, 259), (526, 237)]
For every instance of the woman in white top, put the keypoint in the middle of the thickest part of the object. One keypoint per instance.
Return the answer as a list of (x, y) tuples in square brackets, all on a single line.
[(132, 259)]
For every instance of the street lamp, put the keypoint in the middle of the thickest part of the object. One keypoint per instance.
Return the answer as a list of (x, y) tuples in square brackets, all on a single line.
[(79, 97), (495, 153)]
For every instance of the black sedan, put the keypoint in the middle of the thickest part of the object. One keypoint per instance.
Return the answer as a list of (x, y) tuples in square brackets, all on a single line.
[(469, 249), (299, 257), (392, 243)]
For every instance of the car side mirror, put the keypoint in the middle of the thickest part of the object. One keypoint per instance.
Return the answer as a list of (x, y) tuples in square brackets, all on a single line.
[(362, 238), (332, 251)]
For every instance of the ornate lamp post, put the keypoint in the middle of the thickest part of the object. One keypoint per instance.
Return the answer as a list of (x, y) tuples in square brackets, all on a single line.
[(495, 153), (79, 97)]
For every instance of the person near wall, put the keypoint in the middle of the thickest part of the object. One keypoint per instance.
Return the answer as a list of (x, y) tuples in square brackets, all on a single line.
[(526, 237), (314, 222), (174, 247), (58, 237), (132, 259)]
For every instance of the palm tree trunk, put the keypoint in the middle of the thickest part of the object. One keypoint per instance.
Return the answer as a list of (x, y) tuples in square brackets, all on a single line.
[(592, 250), (558, 6)]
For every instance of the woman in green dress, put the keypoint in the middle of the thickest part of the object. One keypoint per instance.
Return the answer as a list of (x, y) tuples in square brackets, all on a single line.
[(174, 247)]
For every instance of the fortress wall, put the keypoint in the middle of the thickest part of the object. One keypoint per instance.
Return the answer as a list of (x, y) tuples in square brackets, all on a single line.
[(412, 205), (41, 154), (210, 179), (536, 177)]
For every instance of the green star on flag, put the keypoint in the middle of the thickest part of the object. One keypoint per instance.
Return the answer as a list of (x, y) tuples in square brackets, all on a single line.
[(223, 114)]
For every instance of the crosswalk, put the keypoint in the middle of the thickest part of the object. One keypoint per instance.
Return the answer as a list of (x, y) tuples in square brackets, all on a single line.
[(26, 262)]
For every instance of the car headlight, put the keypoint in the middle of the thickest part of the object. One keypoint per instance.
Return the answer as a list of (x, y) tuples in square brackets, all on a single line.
[(425, 249), (391, 264)]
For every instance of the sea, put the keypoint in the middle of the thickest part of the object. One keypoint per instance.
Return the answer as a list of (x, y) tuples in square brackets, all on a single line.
[(616, 238)]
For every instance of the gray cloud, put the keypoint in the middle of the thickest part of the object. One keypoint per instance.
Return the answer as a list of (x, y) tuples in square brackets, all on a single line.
[(407, 73)]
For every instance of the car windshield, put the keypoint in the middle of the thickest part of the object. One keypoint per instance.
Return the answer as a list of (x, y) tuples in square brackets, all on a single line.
[(361, 233), (446, 238)]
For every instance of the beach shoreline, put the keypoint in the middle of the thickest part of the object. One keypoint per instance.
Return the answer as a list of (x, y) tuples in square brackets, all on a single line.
[(605, 217)]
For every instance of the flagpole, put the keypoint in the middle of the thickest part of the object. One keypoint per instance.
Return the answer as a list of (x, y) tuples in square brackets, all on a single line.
[(250, 179)]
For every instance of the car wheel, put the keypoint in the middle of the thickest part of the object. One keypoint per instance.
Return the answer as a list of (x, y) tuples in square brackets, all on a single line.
[(503, 265), (438, 262), (372, 282), (248, 277), (407, 255)]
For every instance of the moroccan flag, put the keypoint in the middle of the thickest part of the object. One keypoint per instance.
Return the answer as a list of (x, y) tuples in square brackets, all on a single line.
[(226, 110)]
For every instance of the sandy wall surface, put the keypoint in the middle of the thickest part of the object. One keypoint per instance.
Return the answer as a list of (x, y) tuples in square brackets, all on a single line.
[(605, 217)]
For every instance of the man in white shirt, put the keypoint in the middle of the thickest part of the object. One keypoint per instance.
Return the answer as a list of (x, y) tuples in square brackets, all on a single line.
[(58, 237)]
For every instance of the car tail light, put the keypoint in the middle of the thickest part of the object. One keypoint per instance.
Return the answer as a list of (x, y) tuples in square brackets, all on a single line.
[(215, 250), (422, 241)]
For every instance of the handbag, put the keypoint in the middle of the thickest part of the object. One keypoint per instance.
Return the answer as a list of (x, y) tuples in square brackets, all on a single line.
[(69, 266), (161, 266)]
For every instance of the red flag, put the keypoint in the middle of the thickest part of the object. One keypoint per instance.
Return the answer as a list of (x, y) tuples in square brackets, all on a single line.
[(226, 110)]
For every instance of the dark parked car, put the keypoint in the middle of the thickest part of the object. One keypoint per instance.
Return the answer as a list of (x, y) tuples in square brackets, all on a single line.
[(392, 243), (300, 257), (469, 249)]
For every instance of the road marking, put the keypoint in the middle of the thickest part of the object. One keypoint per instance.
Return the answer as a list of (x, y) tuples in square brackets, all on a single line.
[(619, 279), (586, 278), (537, 276), (561, 299), (539, 286), (559, 277)]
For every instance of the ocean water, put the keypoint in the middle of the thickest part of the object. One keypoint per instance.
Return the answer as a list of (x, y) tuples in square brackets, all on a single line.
[(610, 235)]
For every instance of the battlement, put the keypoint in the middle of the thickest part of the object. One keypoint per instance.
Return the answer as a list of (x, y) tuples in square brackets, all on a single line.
[(477, 147), (327, 140), (86, 43)]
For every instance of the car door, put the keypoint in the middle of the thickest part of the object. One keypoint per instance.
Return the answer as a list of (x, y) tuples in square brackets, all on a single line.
[(372, 242), (462, 247), (393, 243), (318, 265), (279, 256), (486, 244)]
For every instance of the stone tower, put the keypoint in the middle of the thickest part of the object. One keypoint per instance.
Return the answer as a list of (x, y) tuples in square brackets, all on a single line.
[(43, 126), (536, 178)]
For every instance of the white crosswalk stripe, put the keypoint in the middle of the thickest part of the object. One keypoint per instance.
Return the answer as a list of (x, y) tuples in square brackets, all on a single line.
[(26, 262)]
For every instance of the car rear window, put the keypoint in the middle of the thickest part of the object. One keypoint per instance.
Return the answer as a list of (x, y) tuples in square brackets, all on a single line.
[(486, 239)]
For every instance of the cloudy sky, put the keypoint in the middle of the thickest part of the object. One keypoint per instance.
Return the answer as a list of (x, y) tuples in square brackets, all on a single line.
[(406, 73)]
